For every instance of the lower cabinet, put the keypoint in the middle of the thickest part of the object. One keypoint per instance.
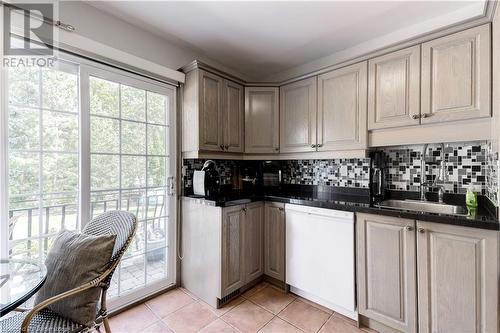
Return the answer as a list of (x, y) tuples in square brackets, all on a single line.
[(274, 240), (253, 224), (242, 246), (457, 278), (451, 272), (232, 269), (386, 271)]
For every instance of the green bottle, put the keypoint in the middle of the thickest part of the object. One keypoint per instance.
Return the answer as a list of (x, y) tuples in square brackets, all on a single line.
[(471, 200)]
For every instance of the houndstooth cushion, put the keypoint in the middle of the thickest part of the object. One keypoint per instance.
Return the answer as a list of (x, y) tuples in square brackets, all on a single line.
[(45, 321)]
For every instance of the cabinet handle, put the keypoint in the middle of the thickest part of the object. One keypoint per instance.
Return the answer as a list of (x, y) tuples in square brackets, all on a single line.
[(421, 230), (415, 116), (281, 209), (426, 115), (244, 209), (409, 228), (226, 147), (221, 147), (276, 149), (319, 145), (313, 146)]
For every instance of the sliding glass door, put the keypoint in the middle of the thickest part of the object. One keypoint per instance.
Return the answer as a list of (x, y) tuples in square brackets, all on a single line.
[(82, 139)]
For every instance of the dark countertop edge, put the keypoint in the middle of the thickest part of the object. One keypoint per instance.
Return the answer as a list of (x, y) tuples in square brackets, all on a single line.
[(363, 207)]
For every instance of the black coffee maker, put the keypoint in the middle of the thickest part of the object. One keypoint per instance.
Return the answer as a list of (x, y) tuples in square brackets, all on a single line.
[(212, 179), (377, 175)]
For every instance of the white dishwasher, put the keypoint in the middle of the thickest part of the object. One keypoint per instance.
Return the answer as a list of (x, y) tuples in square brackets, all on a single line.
[(320, 257)]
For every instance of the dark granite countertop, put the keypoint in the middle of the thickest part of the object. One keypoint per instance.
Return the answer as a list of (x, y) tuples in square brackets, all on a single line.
[(359, 201)]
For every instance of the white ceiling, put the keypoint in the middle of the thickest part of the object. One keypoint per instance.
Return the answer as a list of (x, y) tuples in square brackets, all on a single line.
[(262, 39)]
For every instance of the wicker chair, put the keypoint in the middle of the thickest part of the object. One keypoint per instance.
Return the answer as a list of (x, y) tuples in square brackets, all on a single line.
[(40, 319)]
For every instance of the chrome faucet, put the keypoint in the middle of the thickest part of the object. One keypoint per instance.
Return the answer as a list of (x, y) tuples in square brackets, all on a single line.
[(423, 174), (440, 177)]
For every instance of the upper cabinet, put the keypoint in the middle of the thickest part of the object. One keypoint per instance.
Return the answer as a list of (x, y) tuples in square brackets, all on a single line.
[(325, 113), (342, 108), (456, 76), (213, 113), (262, 120), (298, 106), (210, 111), (394, 89), (233, 115)]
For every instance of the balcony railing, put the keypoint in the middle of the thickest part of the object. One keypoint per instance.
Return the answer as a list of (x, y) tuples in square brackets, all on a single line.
[(24, 223)]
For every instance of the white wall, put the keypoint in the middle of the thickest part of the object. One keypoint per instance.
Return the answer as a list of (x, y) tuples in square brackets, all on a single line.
[(117, 33)]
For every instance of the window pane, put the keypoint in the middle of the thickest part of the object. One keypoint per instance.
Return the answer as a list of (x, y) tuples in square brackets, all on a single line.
[(157, 108), (105, 135), (133, 171), (23, 217), (24, 127), (24, 88), (156, 172), (59, 90), (133, 103), (132, 273), (134, 201), (104, 172), (60, 172), (23, 173), (137, 245), (103, 201), (60, 131), (60, 212), (156, 264), (133, 138), (156, 140), (104, 97), (156, 205)]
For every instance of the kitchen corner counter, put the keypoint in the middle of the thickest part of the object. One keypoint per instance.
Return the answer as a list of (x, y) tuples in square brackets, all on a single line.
[(353, 200)]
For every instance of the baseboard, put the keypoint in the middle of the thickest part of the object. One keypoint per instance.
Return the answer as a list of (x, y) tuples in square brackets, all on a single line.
[(335, 307)]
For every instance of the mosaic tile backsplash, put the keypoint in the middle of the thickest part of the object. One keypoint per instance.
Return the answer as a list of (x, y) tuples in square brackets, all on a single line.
[(336, 172), (466, 164)]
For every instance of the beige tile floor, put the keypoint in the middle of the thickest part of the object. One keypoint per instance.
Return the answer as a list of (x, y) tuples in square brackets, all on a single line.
[(263, 308)]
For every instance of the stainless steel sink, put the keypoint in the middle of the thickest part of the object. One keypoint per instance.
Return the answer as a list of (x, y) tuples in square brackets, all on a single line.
[(424, 206)]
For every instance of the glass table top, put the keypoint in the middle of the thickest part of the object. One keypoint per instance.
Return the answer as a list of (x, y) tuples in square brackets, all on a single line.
[(19, 280)]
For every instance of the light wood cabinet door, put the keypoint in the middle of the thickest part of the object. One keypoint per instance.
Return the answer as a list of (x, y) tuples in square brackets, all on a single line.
[(211, 106), (262, 120), (456, 76), (457, 278), (232, 268), (298, 108), (386, 262), (253, 246), (394, 89), (342, 96), (233, 117), (274, 240)]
